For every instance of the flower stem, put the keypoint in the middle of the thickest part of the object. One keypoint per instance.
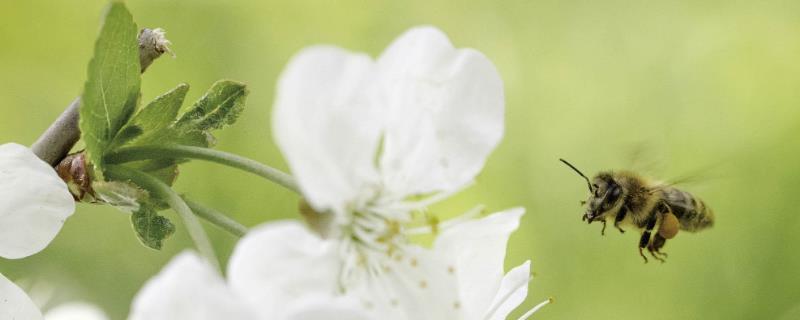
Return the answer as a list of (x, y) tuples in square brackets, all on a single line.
[(137, 153), (217, 218), (54, 144), (162, 191)]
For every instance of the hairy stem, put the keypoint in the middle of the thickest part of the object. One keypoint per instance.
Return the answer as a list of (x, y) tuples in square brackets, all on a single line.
[(56, 142), (137, 153), (159, 189), (217, 218)]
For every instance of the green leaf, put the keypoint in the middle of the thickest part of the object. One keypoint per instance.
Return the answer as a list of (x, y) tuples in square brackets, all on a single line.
[(125, 135), (220, 106), (122, 195), (165, 170), (147, 126), (112, 88), (167, 174), (151, 228)]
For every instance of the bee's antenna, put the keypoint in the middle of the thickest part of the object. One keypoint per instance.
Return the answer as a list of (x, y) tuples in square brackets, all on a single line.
[(588, 183)]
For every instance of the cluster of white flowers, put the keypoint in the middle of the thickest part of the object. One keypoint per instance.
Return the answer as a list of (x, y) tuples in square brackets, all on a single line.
[(372, 143)]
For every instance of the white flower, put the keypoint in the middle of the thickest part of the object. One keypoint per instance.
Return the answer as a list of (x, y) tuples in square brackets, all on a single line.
[(371, 143), (282, 271), (34, 202), (15, 304), (75, 311)]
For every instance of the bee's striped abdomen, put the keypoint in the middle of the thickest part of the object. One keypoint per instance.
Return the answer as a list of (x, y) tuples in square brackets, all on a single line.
[(692, 213)]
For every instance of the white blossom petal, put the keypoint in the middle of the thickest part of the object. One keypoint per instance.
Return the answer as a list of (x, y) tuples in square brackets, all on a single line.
[(188, 288), (444, 111), (324, 121), (513, 291), (14, 303), (34, 202), (75, 311), (478, 249), (418, 285), (325, 308), (278, 264)]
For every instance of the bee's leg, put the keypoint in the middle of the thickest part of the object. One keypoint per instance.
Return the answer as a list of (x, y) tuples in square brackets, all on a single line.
[(658, 243), (655, 253), (603, 231), (644, 241), (620, 216)]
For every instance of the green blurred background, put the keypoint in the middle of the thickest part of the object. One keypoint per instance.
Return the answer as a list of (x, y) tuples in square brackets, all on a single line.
[(694, 85)]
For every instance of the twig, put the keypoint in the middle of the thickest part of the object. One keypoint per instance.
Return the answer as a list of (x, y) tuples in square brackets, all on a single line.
[(54, 144)]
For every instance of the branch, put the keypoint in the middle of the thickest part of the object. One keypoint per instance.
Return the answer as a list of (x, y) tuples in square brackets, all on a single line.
[(56, 142)]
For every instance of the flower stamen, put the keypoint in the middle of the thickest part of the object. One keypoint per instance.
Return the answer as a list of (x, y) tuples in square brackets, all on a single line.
[(466, 216)]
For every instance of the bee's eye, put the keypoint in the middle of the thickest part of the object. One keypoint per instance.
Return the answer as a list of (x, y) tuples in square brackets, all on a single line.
[(615, 192)]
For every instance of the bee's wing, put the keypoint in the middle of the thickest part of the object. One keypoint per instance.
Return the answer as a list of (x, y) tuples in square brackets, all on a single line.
[(696, 177), (645, 159)]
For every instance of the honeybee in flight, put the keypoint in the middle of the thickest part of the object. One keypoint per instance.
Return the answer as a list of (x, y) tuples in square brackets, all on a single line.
[(631, 200)]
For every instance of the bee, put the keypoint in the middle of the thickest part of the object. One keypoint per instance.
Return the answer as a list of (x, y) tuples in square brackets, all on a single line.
[(631, 200)]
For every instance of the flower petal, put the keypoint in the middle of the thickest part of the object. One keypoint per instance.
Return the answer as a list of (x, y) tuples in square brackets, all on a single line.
[(327, 126), (14, 303), (188, 288), (513, 291), (280, 263), (419, 284), (75, 311), (326, 308), (478, 248), (34, 202), (444, 112)]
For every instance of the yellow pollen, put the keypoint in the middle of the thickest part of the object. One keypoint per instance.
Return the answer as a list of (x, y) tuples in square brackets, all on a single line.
[(457, 305), (451, 269), (413, 262), (423, 284)]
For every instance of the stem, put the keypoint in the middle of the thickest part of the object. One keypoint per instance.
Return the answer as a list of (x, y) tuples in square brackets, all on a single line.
[(137, 153), (56, 142), (162, 191), (217, 218)]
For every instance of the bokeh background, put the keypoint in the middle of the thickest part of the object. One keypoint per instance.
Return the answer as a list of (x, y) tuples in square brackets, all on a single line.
[(705, 88)]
